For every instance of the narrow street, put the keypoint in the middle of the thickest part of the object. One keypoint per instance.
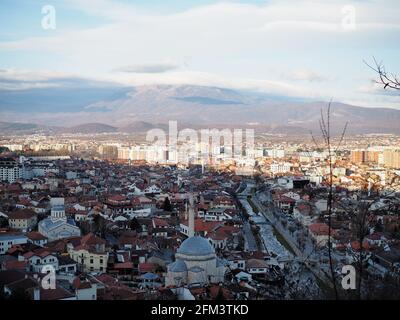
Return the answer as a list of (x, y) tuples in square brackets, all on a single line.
[(307, 255), (302, 267)]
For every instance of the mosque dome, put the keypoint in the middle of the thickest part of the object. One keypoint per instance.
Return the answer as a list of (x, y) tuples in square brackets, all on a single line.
[(178, 266), (196, 246)]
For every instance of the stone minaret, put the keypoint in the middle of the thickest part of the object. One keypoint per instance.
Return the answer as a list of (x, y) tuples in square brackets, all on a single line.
[(191, 216)]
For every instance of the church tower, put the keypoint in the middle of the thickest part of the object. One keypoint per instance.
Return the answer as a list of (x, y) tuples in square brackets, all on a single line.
[(57, 209)]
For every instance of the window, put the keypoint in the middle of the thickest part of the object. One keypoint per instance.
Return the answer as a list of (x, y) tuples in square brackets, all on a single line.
[(91, 261), (101, 261)]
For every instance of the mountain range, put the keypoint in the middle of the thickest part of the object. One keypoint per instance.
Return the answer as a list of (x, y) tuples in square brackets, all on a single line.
[(141, 108)]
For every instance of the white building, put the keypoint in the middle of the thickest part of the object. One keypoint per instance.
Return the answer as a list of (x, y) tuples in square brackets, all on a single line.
[(214, 214), (7, 240), (14, 147), (57, 226), (153, 189), (10, 170), (275, 153), (37, 262), (196, 261), (280, 167)]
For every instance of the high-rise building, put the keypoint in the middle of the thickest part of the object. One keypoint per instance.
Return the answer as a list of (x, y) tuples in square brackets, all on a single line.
[(364, 156), (357, 156), (372, 156), (108, 152), (10, 170), (123, 153), (392, 158), (137, 153)]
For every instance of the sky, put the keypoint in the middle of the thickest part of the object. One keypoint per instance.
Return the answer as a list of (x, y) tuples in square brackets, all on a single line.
[(299, 48)]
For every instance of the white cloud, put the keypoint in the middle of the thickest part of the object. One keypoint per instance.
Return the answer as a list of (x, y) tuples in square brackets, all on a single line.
[(229, 43), (148, 68), (14, 79), (306, 75)]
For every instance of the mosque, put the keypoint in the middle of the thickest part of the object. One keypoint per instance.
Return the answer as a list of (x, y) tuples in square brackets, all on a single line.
[(195, 261)]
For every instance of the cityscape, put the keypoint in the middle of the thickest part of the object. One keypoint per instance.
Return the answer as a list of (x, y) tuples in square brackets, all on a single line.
[(115, 225), (176, 181)]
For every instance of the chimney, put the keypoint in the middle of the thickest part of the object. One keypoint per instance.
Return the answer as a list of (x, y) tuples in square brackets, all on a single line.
[(191, 217)]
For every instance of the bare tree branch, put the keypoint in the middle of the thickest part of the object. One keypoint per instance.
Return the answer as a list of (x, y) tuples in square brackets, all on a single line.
[(388, 80)]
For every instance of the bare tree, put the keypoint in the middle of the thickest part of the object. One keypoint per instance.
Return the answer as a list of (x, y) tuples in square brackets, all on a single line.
[(388, 80), (325, 127)]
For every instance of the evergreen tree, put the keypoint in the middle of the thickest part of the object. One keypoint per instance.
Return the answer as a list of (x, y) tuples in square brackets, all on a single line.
[(167, 205), (220, 294), (135, 225)]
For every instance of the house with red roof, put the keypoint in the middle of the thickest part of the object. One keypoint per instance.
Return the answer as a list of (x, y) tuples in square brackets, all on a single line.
[(200, 226), (160, 227), (147, 267), (90, 253), (224, 202), (303, 212), (220, 237), (22, 219), (36, 238), (13, 263), (320, 232), (84, 289), (283, 202), (38, 260)]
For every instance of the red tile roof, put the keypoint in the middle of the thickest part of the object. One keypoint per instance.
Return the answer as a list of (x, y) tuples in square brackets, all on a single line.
[(92, 239), (320, 229), (355, 245), (35, 236), (124, 265), (203, 226), (22, 214), (15, 265), (147, 267), (78, 284), (160, 222)]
